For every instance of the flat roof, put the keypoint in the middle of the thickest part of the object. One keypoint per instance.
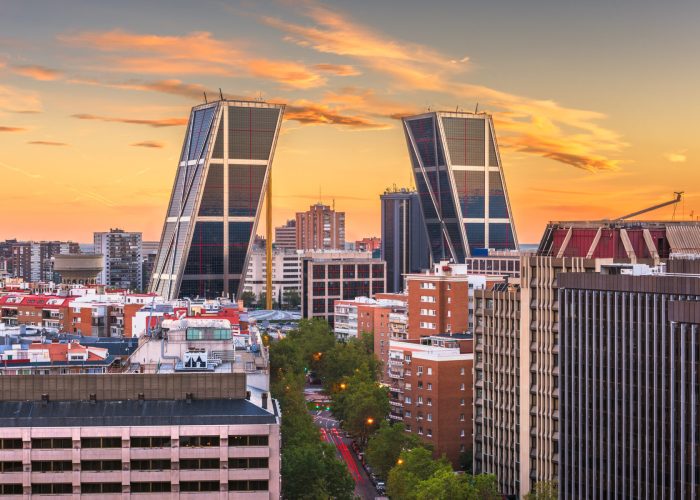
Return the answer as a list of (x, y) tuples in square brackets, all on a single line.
[(132, 413)]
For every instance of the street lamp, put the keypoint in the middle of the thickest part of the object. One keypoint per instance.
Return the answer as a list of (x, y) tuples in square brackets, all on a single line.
[(343, 386), (370, 420), (399, 461)]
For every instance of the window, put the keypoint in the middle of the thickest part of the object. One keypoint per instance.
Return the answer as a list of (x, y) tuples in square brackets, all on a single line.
[(199, 463), (430, 417), (407, 414), (150, 442), (461, 402), (430, 370), (11, 467), (253, 440), (420, 370), (461, 417), (10, 444), (420, 384), (427, 286), (407, 358), (427, 298), (100, 487), (253, 485), (152, 487), (101, 442), (429, 433), (11, 489), (208, 334), (198, 441), (461, 433), (100, 465), (248, 463), (420, 400), (151, 464), (52, 466), (52, 443), (461, 387), (461, 371), (407, 400), (420, 431), (51, 488), (199, 485), (430, 402), (430, 386), (408, 428)]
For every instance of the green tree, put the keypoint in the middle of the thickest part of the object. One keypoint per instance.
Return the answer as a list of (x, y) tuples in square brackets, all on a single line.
[(361, 406), (444, 484), (416, 466), (344, 360), (248, 299), (466, 459), (386, 445), (312, 471), (544, 490), (291, 299), (484, 487)]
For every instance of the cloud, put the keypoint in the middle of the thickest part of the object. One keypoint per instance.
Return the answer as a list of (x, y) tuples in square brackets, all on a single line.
[(195, 53), (16, 100), (677, 156), (309, 113), (47, 143), (148, 144), (338, 69), (36, 72), (12, 129), (535, 126), (159, 122), (172, 86)]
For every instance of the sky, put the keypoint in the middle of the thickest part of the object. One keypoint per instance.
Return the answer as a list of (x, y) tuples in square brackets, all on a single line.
[(594, 103)]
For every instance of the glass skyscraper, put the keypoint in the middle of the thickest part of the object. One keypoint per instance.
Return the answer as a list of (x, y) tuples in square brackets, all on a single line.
[(457, 168), (215, 205)]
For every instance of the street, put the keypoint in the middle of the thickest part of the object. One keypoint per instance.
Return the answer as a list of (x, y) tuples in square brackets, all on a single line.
[(331, 432)]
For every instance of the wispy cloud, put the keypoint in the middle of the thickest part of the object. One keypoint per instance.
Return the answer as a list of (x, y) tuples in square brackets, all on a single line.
[(171, 86), (310, 113), (158, 122), (677, 156), (148, 144), (338, 69), (540, 127), (41, 73), (47, 143), (11, 129), (16, 100), (197, 53)]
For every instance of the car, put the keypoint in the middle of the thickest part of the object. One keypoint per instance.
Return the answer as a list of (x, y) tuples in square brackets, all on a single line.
[(381, 487)]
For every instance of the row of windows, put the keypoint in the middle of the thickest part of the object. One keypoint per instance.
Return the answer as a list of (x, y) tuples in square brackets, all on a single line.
[(136, 442), (136, 487), (154, 464)]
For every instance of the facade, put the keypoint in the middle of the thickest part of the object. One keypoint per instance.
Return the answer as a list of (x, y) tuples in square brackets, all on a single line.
[(497, 424), (286, 272), (404, 242), (178, 435), (78, 269), (365, 315), (31, 260), (431, 391), (122, 253), (327, 278), (320, 228), (629, 354), (369, 244), (286, 236), (460, 181), (217, 196)]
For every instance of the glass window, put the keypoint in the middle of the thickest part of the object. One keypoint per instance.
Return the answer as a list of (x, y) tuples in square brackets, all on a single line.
[(248, 440), (252, 485), (239, 234), (245, 185), (199, 485), (198, 441), (151, 487), (251, 132), (212, 202)]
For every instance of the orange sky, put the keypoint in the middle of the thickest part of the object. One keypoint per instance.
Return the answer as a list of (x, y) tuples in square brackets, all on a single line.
[(93, 102)]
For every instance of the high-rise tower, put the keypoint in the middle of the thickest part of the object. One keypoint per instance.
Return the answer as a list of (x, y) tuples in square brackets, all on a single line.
[(215, 205), (457, 168)]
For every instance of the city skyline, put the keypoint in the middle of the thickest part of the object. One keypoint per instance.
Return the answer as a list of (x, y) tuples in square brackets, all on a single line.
[(102, 96)]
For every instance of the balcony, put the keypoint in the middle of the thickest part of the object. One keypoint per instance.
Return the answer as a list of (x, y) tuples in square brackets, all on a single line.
[(241, 474), (398, 404), (112, 476), (395, 374), (395, 361)]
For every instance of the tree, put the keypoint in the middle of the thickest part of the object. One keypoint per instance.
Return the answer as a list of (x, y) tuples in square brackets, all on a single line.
[(312, 471), (291, 299), (466, 460), (344, 360), (248, 299), (386, 445), (262, 301), (416, 466), (544, 490), (361, 406)]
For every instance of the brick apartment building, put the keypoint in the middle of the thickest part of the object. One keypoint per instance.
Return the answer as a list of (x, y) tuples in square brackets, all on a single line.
[(431, 391), (320, 228)]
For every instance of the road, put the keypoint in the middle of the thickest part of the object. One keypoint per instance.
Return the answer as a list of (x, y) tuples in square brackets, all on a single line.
[(331, 432)]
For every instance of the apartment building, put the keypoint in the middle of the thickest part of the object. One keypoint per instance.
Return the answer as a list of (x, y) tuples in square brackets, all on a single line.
[(286, 235), (286, 272), (31, 260), (320, 228), (192, 435), (123, 258), (57, 358), (431, 391)]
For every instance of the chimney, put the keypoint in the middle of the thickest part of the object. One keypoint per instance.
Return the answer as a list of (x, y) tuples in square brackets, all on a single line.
[(264, 401)]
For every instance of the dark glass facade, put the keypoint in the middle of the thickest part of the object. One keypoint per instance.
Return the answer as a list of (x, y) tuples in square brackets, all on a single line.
[(218, 190)]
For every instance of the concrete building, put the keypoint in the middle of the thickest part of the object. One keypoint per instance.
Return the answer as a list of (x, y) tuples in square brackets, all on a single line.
[(31, 260), (327, 277), (123, 258), (431, 391), (217, 198), (404, 242), (369, 244), (320, 228), (183, 435), (365, 315), (460, 181), (629, 354), (78, 269), (286, 235), (286, 272)]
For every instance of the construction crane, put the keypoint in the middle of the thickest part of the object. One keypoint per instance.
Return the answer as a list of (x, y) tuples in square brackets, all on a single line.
[(677, 199)]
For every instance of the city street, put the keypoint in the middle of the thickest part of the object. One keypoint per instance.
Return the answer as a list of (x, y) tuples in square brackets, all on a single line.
[(331, 432)]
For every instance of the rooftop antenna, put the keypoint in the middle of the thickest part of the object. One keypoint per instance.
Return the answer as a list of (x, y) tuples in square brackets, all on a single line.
[(476, 109), (205, 98), (221, 95)]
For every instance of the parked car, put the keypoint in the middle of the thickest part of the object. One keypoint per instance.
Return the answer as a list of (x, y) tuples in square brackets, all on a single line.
[(381, 487)]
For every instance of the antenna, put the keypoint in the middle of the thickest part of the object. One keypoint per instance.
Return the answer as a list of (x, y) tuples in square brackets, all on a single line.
[(476, 109), (205, 98), (221, 95)]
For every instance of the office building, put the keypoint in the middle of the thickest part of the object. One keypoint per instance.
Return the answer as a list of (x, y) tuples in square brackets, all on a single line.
[(629, 354), (122, 251), (460, 181), (327, 277), (182, 435), (404, 242), (286, 272), (431, 391), (217, 196), (320, 228), (286, 235)]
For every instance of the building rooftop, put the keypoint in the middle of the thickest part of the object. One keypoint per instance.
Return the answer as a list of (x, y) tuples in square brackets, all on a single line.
[(132, 413)]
